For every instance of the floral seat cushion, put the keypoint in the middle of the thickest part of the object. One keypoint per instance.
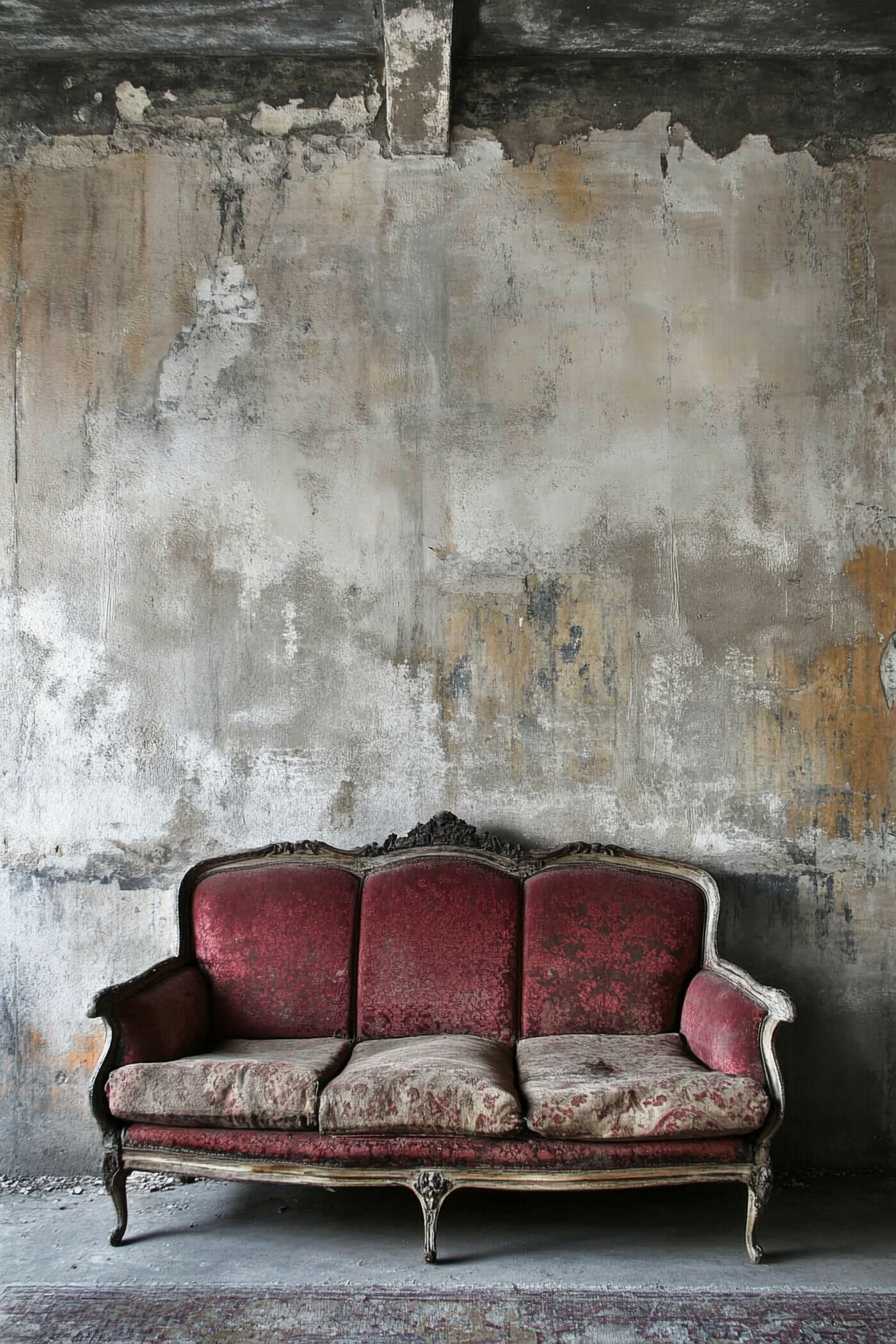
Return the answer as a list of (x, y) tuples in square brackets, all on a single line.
[(447, 1085), (631, 1087), (239, 1085)]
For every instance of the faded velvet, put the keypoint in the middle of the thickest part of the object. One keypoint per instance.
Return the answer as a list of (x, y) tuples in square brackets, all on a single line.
[(721, 1025), (608, 950), (439, 951), (167, 1019), (276, 942), (239, 1085), (346, 1150), (630, 1088), (446, 1085)]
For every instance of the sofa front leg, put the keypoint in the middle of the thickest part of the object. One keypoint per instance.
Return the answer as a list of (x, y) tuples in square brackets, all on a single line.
[(431, 1188), (115, 1179), (759, 1191)]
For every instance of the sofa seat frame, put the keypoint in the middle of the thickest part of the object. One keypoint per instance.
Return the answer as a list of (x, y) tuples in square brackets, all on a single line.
[(444, 836)]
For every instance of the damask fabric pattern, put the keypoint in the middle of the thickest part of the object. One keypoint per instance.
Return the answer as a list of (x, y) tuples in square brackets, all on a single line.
[(631, 1087), (276, 942), (239, 1085), (167, 1019), (403, 1151), (721, 1025), (608, 949), (424, 1085), (439, 951)]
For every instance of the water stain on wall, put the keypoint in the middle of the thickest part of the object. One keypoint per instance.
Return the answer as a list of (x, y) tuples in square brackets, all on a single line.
[(836, 750), (544, 661)]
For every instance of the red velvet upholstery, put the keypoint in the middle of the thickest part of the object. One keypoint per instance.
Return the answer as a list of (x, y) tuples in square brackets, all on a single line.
[(276, 942), (721, 1026), (438, 951), (166, 1021), (408, 1151), (608, 950)]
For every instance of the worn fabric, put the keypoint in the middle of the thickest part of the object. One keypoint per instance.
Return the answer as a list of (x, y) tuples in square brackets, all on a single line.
[(167, 1019), (608, 949), (721, 1026), (631, 1087), (439, 951), (239, 1085), (424, 1085), (276, 941), (401, 1151)]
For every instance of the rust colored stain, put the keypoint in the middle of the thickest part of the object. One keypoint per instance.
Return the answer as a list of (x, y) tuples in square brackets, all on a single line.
[(85, 1051), (837, 739), (553, 656), (35, 1043), (559, 179)]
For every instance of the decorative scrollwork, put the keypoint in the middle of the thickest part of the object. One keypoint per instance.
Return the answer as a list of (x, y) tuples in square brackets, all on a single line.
[(761, 1183), (295, 847), (432, 1187), (442, 829), (445, 829), (583, 847), (115, 1180)]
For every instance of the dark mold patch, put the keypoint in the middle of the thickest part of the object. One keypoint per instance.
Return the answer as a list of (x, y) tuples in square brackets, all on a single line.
[(825, 104), (60, 96), (644, 26)]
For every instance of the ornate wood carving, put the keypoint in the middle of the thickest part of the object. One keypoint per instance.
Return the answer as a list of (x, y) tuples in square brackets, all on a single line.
[(444, 829), (431, 1188)]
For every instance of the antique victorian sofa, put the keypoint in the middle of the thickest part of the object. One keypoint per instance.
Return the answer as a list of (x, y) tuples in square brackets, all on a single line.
[(443, 1010)]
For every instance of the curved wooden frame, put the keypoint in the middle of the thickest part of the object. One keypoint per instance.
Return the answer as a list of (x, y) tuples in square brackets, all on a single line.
[(444, 835)]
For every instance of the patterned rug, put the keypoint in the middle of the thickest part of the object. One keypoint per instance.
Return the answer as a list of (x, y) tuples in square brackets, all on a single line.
[(380, 1316)]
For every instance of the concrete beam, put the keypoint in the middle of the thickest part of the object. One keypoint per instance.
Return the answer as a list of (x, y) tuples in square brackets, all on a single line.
[(417, 51)]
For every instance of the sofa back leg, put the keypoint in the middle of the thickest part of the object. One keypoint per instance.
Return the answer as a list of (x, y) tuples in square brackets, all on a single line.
[(759, 1190), (115, 1179), (432, 1189)]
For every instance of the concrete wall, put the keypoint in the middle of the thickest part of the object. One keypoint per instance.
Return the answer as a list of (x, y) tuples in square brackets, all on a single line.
[(339, 490)]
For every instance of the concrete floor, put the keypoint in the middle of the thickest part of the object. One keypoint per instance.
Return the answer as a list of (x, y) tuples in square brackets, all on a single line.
[(837, 1233)]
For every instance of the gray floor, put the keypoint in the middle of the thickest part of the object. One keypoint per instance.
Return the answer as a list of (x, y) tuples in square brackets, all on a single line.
[(837, 1233)]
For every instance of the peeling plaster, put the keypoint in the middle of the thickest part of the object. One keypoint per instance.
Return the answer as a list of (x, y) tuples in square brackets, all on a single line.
[(131, 103), (344, 116), (888, 671)]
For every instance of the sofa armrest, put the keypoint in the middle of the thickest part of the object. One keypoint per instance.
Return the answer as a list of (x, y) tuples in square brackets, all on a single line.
[(729, 1021), (160, 1015)]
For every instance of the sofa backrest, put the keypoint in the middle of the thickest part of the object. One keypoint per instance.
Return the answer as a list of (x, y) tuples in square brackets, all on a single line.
[(276, 942), (395, 940), (608, 949), (439, 950)]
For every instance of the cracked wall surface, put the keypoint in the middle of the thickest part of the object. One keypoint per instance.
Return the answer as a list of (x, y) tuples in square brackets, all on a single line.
[(339, 490)]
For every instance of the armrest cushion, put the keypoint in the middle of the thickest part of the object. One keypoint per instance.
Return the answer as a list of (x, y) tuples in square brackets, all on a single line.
[(167, 1020), (721, 1025)]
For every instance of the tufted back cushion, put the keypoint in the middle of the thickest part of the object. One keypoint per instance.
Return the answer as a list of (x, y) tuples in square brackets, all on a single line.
[(439, 951), (276, 942), (608, 950)]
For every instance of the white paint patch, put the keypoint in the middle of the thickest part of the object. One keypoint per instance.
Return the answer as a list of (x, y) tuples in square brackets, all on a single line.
[(411, 32), (227, 298), (131, 103), (227, 305), (888, 672), (344, 116), (411, 37)]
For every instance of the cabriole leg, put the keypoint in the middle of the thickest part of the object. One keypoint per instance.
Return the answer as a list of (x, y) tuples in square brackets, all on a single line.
[(115, 1178), (431, 1188), (758, 1192)]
